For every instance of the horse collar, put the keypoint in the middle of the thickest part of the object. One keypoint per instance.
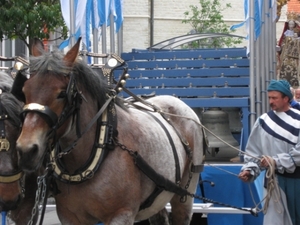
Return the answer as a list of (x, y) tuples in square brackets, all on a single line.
[(106, 128)]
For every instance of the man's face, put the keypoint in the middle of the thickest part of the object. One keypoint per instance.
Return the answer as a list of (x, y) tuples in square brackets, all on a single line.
[(291, 24), (277, 102), (297, 95)]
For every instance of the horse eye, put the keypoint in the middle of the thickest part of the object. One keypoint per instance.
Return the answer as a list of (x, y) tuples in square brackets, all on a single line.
[(62, 94)]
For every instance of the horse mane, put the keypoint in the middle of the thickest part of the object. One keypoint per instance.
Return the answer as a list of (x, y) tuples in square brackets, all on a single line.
[(53, 63), (6, 82), (12, 106)]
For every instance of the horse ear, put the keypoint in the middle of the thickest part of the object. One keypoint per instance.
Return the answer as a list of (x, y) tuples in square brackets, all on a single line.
[(72, 54), (18, 84), (37, 47)]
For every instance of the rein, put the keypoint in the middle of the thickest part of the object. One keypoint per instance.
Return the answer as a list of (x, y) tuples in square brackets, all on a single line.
[(168, 185), (157, 178), (95, 118), (53, 168), (94, 163)]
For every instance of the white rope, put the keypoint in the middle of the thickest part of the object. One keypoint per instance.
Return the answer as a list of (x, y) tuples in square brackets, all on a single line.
[(205, 128), (272, 185)]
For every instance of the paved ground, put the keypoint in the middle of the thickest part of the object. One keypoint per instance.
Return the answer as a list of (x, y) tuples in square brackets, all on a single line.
[(49, 219), (50, 216)]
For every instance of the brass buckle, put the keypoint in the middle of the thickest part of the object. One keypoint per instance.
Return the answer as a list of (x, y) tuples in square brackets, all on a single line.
[(4, 144)]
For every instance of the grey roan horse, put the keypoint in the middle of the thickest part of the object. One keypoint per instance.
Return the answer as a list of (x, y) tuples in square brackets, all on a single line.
[(106, 153)]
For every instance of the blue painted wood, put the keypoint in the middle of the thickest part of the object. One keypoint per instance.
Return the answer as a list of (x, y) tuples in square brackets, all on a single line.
[(188, 82), (202, 78), (175, 73), (185, 54), (189, 64), (194, 92)]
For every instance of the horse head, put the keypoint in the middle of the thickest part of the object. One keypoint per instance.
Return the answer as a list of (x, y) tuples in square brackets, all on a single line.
[(52, 99), (11, 184)]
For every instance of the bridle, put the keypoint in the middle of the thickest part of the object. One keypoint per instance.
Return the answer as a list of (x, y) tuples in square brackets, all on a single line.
[(5, 146), (73, 100)]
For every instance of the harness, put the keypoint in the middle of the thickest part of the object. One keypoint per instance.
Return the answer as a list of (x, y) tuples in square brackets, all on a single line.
[(106, 139), (104, 135), (5, 146)]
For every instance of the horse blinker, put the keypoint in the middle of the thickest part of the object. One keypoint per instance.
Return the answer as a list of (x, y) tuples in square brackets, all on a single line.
[(18, 84), (71, 89)]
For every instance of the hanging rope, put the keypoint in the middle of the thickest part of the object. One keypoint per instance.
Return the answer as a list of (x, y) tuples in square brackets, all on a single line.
[(201, 125), (272, 185)]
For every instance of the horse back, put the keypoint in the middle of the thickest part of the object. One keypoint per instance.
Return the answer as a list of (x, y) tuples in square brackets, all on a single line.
[(186, 122)]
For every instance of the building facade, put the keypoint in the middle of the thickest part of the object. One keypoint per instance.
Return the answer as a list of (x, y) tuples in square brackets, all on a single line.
[(147, 21)]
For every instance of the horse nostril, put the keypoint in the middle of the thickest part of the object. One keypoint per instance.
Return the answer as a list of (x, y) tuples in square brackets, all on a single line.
[(31, 151), (34, 149), (27, 157)]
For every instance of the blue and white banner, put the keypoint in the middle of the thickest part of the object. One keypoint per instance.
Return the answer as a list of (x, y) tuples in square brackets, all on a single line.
[(258, 6), (90, 14), (116, 9), (273, 6), (258, 15)]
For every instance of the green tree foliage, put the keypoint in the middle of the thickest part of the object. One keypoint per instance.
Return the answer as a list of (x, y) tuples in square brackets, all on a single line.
[(207, 18), (27, 18)]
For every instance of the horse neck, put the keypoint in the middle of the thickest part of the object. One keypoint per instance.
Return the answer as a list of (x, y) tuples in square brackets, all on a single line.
[(81, 152)]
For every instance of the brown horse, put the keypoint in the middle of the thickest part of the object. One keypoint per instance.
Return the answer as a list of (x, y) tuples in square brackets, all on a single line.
[(17, 193), (115, 161)]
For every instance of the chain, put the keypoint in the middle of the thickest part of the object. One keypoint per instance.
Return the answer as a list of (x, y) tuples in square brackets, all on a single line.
[(123, 147), (183, 198), (189, 180), (22, 184), (253, 211), (39, 195), (63, 153)]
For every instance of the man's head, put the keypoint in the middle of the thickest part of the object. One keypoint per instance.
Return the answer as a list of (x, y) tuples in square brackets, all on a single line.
[(280, 95), (297, 95), (292, 24)]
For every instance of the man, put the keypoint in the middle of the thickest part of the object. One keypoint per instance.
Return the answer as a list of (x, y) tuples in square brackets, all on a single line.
[(297, 94), (275, 141), (295, 102)]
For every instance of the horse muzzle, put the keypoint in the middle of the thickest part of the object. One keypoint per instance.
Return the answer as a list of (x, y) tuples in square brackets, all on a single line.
[(10, 205), (28, 160)]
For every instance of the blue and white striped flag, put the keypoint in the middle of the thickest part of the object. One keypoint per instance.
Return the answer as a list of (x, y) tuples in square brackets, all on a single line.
[(273, 6), (119, 14), (80, 19), (90, 14), (258, 6), (115, 7), (104, 11), (246, 14)]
